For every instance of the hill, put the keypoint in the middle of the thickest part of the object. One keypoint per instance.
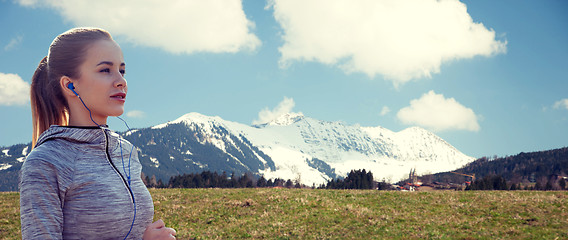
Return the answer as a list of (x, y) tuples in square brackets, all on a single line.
[(524, 168)]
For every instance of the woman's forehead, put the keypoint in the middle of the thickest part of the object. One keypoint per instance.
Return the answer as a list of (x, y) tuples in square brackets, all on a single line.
[(106, 51)]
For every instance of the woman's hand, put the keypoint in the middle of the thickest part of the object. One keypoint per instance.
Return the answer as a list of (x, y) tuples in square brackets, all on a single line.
[(158, 231)]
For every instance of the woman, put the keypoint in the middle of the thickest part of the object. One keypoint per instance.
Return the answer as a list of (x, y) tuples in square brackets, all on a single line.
[(76, 183)]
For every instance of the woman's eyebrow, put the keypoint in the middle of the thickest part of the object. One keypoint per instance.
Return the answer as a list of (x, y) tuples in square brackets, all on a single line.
[(110, 63)]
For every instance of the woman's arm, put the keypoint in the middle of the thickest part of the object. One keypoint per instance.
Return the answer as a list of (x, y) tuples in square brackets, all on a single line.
[(41, 199)]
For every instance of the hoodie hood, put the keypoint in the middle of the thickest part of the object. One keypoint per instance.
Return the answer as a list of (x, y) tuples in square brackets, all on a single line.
[(84, 135)]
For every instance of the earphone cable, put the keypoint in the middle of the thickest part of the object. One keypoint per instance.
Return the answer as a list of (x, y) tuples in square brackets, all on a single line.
[(130, 154), (121, 156), (128, 174)]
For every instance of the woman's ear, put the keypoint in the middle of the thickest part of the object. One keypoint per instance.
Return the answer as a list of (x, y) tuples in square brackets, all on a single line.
[(67, 86)]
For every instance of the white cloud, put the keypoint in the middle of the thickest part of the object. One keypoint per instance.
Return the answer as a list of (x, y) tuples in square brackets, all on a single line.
[(400, 40), (385, 111), (437, 113), (136, 114), (177, 26), (13, 90), (14, 43), (28, 3), (266, 115), (561, 104)]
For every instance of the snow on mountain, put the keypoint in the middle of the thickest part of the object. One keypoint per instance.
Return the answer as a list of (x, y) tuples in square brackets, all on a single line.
[(286, 119), (314, 151), (292, 146)]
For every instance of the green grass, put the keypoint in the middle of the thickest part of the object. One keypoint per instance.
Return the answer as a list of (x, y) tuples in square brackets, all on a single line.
[(10, 215), (347, 214)]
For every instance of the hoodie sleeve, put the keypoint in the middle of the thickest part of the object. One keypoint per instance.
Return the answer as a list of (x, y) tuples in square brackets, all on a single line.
[(43, 182)]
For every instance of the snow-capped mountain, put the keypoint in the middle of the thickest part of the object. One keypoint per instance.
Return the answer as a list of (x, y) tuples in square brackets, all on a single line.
[(290, 147), (301, 148)]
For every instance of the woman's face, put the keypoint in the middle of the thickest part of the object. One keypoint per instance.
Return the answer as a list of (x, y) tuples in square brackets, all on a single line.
[(101, 84)]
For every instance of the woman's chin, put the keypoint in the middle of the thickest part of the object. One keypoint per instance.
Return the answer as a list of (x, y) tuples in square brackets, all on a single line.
[(116, 113)]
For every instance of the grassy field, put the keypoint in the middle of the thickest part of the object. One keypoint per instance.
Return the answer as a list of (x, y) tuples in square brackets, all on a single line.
[(347, 214)]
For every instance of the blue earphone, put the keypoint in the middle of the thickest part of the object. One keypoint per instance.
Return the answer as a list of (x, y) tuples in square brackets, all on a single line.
[(72, 88)]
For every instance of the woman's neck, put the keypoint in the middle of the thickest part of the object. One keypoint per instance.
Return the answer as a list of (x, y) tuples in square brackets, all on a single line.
[(84, 120)]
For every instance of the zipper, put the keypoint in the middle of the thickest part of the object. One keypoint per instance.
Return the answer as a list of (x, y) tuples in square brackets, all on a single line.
[(114, 167)]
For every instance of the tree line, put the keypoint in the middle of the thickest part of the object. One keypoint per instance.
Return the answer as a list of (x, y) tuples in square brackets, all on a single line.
[(356, 179), (208, 179), (539, 168), (544, 170), (497, 182)]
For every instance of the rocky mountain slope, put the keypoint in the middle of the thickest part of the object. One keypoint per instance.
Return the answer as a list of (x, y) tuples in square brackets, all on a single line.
[(291, 147)]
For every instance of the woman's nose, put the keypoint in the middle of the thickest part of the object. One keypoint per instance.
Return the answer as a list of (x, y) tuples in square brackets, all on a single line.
[(121, 82)]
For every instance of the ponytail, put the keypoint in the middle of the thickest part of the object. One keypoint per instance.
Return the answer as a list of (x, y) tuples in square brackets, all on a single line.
[(49, 107)]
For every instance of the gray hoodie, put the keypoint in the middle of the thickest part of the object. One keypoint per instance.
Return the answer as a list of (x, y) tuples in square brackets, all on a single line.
[(73, 186)]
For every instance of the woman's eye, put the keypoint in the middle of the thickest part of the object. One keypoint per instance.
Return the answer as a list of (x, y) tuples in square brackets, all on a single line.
[(122, 72), (106, 70)]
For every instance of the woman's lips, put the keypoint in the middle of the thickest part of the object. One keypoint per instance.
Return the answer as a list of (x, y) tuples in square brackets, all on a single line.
[(119, 96)]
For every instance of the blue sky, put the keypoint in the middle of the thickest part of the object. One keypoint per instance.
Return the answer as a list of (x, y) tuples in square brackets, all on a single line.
[(489, 77)]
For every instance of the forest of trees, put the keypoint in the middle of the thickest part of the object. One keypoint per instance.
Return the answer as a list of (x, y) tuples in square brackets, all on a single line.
[(491, 182), (356, 179), (496, 182), (527, 167), (208, 179), (545, 170)]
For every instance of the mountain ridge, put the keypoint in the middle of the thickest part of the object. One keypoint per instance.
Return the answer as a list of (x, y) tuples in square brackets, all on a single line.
[(293, 146), (294, 140)]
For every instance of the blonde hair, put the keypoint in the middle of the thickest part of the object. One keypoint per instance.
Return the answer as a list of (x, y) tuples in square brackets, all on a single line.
[(66, 54)]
